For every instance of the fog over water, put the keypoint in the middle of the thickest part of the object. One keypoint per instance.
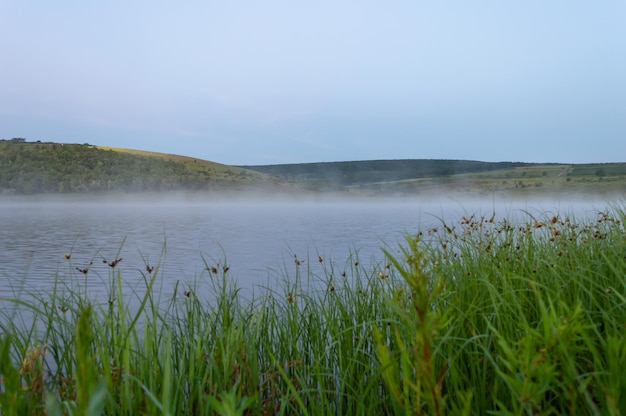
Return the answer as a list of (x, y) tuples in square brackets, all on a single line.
[(256, 238)]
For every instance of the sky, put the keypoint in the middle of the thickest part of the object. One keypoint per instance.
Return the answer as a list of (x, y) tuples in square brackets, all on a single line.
[(269, 82)]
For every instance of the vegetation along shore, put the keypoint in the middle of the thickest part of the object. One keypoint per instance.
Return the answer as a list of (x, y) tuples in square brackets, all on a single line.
[(480, 316)]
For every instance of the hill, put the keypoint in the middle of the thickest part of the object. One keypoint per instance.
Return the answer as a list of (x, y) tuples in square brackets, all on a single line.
[(419, 176), (45, 167), (373, 171)]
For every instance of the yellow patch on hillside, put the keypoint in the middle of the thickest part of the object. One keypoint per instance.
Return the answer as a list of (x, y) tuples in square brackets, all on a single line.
[(191, 162), (133, 151)]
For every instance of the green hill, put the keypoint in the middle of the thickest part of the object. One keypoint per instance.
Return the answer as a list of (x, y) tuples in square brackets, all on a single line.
[(33, 168), (370, 171), (419, 176)]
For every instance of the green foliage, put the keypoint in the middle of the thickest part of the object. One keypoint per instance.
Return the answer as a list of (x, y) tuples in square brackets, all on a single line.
[(519, 319), (411, 372)]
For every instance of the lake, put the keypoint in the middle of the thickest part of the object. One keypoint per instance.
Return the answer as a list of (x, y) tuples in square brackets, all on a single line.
[(257, 239)]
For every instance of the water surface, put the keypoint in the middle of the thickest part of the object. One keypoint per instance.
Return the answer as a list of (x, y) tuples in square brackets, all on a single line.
[(256, 239)]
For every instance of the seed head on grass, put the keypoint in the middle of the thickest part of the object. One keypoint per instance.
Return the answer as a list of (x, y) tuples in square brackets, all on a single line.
[(83, 271), (113, 263), (31, 357)]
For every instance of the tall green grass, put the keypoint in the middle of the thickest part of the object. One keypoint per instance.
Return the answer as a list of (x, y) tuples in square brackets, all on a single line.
[(483, 317)]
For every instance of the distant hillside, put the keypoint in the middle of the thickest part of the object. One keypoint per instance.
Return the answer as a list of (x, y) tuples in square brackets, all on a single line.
[(358, 172), (418, 176), (370, 171), (31, 168)]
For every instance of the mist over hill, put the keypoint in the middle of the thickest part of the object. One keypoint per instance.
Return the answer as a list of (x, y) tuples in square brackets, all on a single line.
[(368, 171), (60, 168), (436, 176)]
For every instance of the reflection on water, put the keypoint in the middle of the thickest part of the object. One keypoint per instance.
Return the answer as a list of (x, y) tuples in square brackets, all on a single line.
[(250, 237)]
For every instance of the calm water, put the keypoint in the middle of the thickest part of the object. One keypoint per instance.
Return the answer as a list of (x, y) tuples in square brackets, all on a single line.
[(256, 239)]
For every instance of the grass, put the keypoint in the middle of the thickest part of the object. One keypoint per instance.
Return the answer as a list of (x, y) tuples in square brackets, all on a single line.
[(486, 316), (225, 173)]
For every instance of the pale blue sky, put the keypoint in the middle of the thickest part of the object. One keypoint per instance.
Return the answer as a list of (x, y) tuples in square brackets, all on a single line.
[(260, 82)]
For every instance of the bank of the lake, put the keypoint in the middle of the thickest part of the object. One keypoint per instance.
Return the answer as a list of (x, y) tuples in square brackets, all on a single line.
[(476, 315)]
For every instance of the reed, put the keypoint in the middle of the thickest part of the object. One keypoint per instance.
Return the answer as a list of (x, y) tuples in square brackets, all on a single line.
[(486, 316)]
